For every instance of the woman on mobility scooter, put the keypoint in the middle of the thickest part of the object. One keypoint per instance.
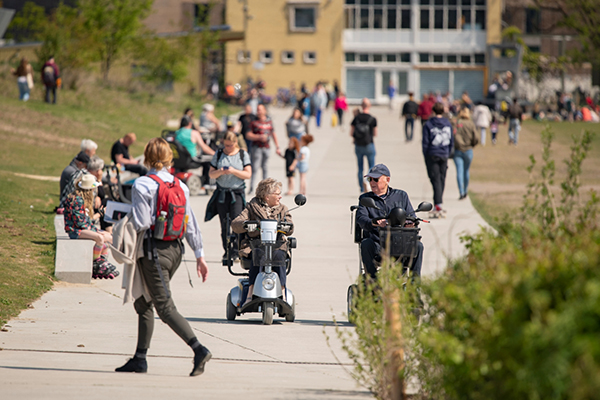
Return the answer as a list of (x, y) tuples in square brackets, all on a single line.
[(265, 206)]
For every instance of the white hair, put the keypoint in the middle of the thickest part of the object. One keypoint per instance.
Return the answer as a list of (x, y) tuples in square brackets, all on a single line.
[(95, 164), (88, 144)]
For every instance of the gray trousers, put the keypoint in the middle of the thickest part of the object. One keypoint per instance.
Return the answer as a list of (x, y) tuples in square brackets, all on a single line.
[(259, 156), (169, 255)]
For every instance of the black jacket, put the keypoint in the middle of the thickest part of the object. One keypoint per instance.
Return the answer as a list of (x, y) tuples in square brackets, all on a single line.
[(410, 108), (395, 198)]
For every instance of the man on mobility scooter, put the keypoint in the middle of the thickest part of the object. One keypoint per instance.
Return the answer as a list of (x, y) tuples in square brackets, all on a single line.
[(386, 199)]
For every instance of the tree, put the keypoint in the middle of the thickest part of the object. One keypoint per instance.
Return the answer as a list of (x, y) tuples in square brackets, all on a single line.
[(114, 24)]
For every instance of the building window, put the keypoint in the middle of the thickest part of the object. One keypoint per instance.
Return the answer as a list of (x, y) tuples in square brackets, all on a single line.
[(363, 58), (424, 57), (243, 56), (287, 57), (377, 14), (266, 57), (350, 57), (452, 14), (438, 58), (465, 58), (480, 58), (303, 18), (377, 57), (532, 21), (202, 14), (309, 57), (391, 58), (405, 57), (424, 18), (451, 58)]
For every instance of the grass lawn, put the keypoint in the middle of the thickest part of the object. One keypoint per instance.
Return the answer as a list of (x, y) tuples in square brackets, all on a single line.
[(499, 173), (42, 139)]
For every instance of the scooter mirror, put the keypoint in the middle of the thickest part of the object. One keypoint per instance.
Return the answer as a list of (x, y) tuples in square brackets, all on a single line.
[(368, 202), (300, 200), (424, 206)]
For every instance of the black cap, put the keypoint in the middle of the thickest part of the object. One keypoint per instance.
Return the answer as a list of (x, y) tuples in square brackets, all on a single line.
[(83, 157), (377, 171)]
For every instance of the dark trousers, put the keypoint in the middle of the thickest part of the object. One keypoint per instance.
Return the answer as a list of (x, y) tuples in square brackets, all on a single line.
[(340, 114), (370, 250), (233, 209), (278, 259), (436, 170), (51, 90), (169, 255), (410, 123), (136, 168)]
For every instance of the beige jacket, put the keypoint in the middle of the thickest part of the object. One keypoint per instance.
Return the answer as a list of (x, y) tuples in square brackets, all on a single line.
[(127, 248), (256, 210)]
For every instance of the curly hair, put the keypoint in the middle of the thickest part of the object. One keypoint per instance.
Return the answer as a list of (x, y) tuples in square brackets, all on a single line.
[(267, 187)]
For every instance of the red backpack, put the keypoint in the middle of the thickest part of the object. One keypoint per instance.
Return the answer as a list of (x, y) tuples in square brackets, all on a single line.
[(171, 221)]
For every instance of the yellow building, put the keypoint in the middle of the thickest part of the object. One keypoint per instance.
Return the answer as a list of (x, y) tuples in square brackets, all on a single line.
[(285, 41)]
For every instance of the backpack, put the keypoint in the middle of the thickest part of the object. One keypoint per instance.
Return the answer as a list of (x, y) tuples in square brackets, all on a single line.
[(220, 154), (171, 221), (49, 78), (362, 132)]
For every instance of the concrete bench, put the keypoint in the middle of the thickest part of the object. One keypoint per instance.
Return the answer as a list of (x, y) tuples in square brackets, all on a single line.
[(74, 258)]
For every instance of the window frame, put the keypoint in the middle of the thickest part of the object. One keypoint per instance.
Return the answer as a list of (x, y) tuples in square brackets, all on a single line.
[(361, 16), (307, 59), (295, 5), (288, 60), (266, 60), (244, 58)]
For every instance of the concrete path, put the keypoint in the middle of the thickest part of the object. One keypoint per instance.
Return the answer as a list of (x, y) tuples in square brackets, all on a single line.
[(67, 345)]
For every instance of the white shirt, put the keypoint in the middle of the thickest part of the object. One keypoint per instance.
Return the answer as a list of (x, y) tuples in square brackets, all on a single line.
[(143, 199)]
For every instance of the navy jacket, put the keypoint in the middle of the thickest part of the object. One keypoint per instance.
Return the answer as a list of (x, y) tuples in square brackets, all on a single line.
[(437, 137), (395, 198)]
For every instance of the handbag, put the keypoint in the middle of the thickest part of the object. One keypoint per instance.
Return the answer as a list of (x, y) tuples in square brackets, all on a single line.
[(30, 80)]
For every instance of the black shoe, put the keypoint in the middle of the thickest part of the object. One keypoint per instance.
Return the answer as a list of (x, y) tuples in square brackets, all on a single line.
[(200, 359), (134, 365)]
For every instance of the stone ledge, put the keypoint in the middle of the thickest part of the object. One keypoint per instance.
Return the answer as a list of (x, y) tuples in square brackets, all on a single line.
[(74, 258)]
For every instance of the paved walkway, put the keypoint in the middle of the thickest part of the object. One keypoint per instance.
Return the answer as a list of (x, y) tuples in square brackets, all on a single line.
[(68, 344)]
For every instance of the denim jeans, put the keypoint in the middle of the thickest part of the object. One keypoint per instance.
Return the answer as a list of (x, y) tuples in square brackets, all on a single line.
[(23, 91), (483, 135), (410, 122), (463, 159), (318, 115), (362, 152), (513, 130)]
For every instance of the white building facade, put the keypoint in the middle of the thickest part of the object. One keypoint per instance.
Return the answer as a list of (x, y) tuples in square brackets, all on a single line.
[(421, 46)]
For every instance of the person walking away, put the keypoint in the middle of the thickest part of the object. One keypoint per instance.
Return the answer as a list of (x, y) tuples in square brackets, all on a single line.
[(362, 131), (230, 167), (243, 125), (119, 153), (515, 114), (410, 111), (79, 224), (391, 93), (296, 126), (482, 116), (424, 110), (51, 79), (303, 159), (494, 128), (291, 159), (320, 102), (262, 130), (341, 106), (437, 142), (162, 253), (24, 74), (464, 141)]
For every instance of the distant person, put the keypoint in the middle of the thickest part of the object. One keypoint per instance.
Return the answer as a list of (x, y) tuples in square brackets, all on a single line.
[(296, 125), (94, 166), (51, 79), (482, 116), (362, 130), (190, 113), (244, 124), (465, 140), (89, 147), (24, 74), (192, 140), (424, 110), (208, 120), (319, 101), (466, 101), (79, 162), (494, 128), (260, 135), (391, 93), (437, 142), (240, 138), (119, 154), (341, 106), (409, 112), (303, 161), (515, 114), (291, 160)]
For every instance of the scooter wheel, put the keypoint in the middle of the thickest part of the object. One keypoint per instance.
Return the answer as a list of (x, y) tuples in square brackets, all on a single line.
[(231, 309), (292, 316), (268, 311)]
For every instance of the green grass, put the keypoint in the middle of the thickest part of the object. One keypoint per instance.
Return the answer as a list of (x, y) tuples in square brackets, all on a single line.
[(41, 139)]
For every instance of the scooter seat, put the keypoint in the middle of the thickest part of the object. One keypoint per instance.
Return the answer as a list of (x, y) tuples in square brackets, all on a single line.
[(245, 263)]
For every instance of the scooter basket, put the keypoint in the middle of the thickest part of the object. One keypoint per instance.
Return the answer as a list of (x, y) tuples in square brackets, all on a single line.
[(399, 242)]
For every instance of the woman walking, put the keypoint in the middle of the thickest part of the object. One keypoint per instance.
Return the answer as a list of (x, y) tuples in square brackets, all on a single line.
[(24, 74), (340, 106), (296, 125), (465, 140), (231, 168)]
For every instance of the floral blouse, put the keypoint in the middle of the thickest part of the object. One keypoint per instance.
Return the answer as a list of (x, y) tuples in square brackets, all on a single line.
[(76, 219)]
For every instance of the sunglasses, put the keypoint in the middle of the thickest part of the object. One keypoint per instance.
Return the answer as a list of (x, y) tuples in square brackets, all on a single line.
[(374, 179)]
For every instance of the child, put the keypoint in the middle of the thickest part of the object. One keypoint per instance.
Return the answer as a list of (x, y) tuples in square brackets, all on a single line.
[(291, 156), (494, 128), (303, 158), (79, 225)]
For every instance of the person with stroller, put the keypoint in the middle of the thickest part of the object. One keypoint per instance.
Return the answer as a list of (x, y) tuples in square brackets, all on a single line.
[(386, 198), (230, 167), (266, 205)]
